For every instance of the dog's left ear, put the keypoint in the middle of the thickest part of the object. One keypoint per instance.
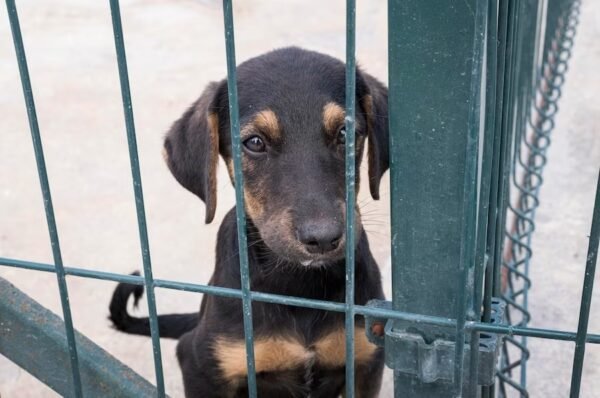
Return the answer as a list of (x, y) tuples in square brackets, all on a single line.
[(374, 102), (191, 148)]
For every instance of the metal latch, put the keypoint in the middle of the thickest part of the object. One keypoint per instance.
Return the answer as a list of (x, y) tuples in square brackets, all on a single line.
[(407, 351)]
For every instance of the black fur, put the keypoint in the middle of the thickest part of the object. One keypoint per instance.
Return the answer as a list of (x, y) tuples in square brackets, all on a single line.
[(303, 179), (170, 326)]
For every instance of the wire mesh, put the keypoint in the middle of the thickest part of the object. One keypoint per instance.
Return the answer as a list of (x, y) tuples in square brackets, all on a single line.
[(531, 143)]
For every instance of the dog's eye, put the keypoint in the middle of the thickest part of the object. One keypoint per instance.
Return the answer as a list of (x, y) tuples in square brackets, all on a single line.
[(255, 144), (341, 135)]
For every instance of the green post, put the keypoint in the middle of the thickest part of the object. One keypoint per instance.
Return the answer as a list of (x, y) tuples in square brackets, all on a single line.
[(435, 58)]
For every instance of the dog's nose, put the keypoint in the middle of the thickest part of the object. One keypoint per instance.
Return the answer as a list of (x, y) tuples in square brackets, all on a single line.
[(320, 237)]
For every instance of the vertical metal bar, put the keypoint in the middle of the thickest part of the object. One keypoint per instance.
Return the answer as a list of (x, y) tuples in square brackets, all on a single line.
[(482, 259), (429, 133), (586, 296), (239, 193), (488, 151), (498, 49), (469, 207), (507, 134), (138, 191), (350, 189), (45, 186), (499, 138)]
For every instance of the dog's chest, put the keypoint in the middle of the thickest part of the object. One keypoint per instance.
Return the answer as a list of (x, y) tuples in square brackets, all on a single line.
[(284, 353)]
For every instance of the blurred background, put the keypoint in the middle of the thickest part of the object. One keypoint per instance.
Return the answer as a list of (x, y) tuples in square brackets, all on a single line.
[(174, 48)]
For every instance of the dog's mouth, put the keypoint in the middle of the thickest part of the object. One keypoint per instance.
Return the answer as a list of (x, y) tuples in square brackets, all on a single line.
[(317, 246), (294, 252), (320, 260), (315, 263)]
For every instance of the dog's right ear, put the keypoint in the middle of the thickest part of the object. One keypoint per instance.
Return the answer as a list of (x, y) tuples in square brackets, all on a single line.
[(191, 148), (375, 105)]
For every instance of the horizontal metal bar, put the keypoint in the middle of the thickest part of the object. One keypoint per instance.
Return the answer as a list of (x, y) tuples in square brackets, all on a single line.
[(307, 303), (530, 332), (80, 272)]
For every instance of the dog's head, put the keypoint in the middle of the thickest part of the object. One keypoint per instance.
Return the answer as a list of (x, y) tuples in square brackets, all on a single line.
[(291, 105)]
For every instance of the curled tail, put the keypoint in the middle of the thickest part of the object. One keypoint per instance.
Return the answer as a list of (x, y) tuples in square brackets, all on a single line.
[(171, 326)]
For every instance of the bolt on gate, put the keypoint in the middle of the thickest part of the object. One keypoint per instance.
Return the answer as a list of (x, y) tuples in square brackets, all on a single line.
[(473, 93)]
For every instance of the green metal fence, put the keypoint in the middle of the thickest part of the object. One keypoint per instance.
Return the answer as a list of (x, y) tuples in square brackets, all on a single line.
[(535, 121), (473, 91)]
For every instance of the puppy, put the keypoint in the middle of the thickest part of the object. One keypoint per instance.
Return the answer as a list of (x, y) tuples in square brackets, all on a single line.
[(291, 104)]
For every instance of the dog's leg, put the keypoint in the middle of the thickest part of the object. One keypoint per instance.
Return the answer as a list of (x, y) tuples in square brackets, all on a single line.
[(328, 383), (200, 378), (367, 380), (368, 377)]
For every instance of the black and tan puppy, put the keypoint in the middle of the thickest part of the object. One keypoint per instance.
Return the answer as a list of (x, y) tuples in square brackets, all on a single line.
[(291, 105)]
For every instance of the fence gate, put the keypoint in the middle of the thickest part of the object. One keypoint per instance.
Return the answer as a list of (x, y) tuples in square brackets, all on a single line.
[(473, 92)]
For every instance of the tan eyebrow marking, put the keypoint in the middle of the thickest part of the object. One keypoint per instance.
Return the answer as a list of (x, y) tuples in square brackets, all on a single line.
[(266, 122), (333, 117)]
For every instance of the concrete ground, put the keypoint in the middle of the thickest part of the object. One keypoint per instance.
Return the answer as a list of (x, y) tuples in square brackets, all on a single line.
[(174, 49)]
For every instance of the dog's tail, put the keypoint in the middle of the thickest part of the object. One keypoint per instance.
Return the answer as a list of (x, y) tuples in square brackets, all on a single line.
[(171, 326)]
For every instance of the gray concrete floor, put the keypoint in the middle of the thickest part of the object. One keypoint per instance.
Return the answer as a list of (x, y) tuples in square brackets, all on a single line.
[(174, 49)]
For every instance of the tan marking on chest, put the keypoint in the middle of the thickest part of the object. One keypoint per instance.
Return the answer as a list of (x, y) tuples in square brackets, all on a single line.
[(331, 349), (270, 355), (275, 354)]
